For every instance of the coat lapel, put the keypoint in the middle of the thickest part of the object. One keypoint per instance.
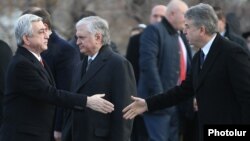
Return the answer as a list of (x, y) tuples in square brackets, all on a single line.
[(44, 71), (95, 66), (49, 74), (209, 61)]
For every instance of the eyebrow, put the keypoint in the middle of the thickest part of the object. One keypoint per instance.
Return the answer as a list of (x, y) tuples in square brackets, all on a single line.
[(42, 29)]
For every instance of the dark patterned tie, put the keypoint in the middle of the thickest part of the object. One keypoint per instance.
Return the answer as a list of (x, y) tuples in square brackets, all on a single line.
[(89, 63), (202, 55)]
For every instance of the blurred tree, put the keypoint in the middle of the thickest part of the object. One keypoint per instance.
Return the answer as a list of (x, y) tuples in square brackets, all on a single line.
[(122, 15)]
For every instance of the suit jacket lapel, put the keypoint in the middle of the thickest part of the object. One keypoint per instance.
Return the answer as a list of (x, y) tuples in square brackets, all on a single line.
[(209, 61), (95, 66)]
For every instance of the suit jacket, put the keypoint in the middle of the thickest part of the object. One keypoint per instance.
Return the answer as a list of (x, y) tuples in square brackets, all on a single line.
[(61, 59), (113, 75), (5, 56), (221, 86), (29, 100)]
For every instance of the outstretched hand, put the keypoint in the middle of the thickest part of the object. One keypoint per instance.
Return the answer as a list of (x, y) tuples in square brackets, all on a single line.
[(138, 107), (98, 103)]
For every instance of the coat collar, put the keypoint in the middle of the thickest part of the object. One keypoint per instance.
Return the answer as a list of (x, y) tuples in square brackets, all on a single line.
[(96, 65), (25, 52), (168, 26), (45, 70)]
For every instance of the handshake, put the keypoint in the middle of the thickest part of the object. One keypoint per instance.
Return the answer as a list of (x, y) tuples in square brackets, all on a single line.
[(98, 103)]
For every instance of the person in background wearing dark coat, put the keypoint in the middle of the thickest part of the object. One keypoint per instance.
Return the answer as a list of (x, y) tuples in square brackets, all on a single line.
[(246, 35), (225, 30), (164, 59), (30, 95), (139, 132), (157, 12), (219, 76), (101, 71), (61, 59), (5, 56)]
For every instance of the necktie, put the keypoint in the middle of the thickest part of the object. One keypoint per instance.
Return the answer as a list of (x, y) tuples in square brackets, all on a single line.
[(182, 63), (41, 61), (202, 55), (89, 63)]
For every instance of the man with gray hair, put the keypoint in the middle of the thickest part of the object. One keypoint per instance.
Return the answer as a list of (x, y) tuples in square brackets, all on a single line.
[(101, 71), (219, 76), (30, 95)]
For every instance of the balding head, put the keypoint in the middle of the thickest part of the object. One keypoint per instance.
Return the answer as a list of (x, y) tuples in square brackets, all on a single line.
[(175, 13), (157, 13)]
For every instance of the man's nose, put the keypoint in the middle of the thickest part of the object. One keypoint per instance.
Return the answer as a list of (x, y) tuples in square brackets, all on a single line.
[(47, 34), (78, 42)]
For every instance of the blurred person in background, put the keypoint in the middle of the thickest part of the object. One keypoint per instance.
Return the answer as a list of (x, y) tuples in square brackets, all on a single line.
[(139, 132), (233, 22), (137, 29), (164, 59), (226, 31), (157, 12), (246, 35), (5, 56)]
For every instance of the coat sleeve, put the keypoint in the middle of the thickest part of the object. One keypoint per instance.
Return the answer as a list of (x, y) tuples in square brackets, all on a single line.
[(30, 82), (173, 96), (123, 86), (149, 50)]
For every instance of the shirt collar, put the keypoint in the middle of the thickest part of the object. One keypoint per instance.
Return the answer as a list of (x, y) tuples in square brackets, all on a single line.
[(207, 47), (38, 57), (223, 33), (93, 57)]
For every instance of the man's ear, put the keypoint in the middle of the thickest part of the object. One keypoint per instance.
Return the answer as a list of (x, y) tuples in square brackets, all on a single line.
[(202, 30), (98, 37), (26, 40)]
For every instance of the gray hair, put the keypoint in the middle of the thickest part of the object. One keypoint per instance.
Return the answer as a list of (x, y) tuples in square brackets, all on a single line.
[(203, 15), (23, 26), (95, 25)]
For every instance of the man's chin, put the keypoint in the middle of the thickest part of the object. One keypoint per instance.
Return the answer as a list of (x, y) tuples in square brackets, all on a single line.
[(82, 51), (44, 48)]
